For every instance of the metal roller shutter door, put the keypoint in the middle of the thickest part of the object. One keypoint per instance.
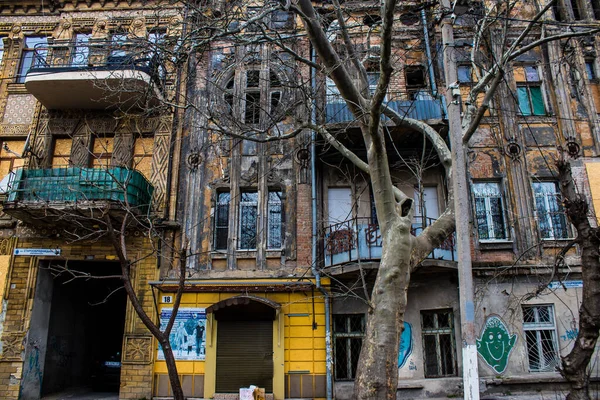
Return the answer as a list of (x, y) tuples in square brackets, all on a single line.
[(244, 355)]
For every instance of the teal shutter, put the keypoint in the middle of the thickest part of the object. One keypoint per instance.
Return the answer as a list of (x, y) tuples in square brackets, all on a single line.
[(523, 98), (537, 100)]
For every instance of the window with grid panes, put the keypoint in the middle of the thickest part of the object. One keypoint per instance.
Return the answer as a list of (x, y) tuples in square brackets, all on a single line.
[(551, 217), (348, 332), (222, 220), (437, 328), (529, 91), (248, 224), (253, 92), (31, 58), (489, 211), (540, 338)]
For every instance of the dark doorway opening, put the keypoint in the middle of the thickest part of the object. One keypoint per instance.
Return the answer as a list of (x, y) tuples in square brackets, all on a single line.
[(85, 332), (244, 347)]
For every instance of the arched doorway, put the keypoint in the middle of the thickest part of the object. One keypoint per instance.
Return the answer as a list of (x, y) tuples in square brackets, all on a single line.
[(244, 343)]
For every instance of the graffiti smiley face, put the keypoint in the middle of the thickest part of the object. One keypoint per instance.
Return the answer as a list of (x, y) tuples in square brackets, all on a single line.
[(495, 344)]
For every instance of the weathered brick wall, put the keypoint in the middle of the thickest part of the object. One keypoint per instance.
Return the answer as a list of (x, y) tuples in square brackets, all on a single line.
[(136, 372)]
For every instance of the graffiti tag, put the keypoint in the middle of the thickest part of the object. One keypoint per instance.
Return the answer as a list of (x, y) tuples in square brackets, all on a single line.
[(570, 334)]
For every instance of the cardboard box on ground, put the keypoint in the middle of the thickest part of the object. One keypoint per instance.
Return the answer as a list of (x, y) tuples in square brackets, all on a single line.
[(252, 393)]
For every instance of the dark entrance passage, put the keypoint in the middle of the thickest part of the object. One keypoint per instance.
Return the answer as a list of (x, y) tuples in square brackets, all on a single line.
[(85, 330), (244, 347)]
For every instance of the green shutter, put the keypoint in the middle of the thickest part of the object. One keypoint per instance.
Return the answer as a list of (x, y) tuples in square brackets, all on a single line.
[(523, 98), (537, 100)]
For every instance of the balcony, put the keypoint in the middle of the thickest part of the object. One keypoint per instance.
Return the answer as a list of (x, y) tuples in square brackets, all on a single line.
[(424, 108), (95, 75), (359, 239), (49, 196)]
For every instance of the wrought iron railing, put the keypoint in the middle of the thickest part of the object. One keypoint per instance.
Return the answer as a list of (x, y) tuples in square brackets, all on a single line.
[(337, 110), (360, 239), (99, 55), (57, 186)]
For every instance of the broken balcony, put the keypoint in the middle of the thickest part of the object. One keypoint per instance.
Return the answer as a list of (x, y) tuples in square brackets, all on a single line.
[(51, 196), (359, 240), (424, 107), (96, 74)]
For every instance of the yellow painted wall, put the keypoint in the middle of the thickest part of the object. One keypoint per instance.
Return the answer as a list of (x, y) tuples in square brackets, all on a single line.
[(593, 171), (303, 350)]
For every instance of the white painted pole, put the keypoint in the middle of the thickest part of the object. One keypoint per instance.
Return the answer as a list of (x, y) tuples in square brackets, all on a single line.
[(462, 211)]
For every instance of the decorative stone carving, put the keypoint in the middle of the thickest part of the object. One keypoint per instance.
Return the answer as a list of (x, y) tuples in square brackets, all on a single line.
[(12, 346), (64, 31), (137, 29), (100, 30), (138, 349)]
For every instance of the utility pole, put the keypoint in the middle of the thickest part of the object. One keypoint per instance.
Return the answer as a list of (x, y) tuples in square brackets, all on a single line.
[(461, 212)]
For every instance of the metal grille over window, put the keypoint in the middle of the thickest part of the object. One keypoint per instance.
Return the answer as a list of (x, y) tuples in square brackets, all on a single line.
[(349, 330), (248, 220), (540, 337), (222, 220), (551, 216), (489, 211), (438, 343), (275, 210)]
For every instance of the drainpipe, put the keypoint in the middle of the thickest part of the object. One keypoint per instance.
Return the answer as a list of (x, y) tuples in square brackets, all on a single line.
[(434, 91), (315, 270)]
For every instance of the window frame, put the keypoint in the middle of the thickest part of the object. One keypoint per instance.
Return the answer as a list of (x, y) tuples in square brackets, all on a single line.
[(243, 205), (437, 331), (490, 223), (248, 234), (347, 336), (26, 63), (528, 90), (538, 327), (469, 75), (547, 213), (217, 227)]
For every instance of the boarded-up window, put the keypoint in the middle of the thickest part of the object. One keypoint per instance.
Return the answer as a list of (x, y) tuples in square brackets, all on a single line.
[(10, 153), (142, 155), (102, 151), (61, 152)]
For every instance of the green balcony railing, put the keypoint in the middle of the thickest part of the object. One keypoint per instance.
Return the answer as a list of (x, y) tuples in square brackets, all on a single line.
[(127, 187)]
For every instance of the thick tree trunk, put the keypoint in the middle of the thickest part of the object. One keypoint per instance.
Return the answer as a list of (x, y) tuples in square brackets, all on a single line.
[(575, 366), (377, 373)]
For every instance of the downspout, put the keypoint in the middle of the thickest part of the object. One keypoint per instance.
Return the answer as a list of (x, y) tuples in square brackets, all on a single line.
[(315, 270), (434, 91)]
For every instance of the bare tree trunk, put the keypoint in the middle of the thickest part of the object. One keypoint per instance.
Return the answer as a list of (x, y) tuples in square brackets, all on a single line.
[(575, 365), (377, 373)]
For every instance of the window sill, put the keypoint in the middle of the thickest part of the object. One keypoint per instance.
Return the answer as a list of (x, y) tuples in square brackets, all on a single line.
[(222, 254), (556, 242), (505, 244)]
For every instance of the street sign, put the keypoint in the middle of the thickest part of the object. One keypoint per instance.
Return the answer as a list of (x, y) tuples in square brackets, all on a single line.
[(37, 252)]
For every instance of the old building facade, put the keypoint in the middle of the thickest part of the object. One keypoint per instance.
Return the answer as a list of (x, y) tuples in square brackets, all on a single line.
[(213, 159)]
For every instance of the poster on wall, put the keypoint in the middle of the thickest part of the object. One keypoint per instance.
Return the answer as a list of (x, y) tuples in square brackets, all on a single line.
[(188, 336)]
